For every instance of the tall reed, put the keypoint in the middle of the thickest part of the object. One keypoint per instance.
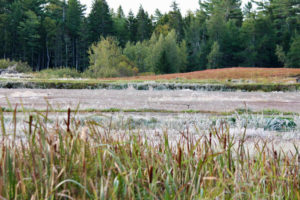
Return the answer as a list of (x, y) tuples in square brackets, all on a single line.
[(88, 161)]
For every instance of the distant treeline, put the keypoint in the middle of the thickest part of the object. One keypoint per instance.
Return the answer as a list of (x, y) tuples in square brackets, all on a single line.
[(220, 33)]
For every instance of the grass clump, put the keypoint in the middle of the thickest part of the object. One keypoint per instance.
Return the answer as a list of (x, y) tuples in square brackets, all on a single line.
[(65, 161)]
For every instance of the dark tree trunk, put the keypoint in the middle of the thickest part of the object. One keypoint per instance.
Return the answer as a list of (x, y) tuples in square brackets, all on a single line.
[(48, 57)]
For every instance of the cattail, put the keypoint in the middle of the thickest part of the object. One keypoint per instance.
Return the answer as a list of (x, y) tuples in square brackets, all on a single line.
[(30, 124), (69, 120), (210, 137), (150, 174), (179, 157), (275, 155), (225, 142)]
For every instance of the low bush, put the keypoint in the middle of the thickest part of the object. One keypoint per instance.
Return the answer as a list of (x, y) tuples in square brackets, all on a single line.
[(21, 67), (59, 73), (107, 60)]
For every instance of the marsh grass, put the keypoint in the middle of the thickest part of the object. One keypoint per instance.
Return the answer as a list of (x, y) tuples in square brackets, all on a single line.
[(66, 161)]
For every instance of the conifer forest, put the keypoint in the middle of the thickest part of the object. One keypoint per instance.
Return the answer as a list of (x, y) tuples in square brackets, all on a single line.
[(218, 34)]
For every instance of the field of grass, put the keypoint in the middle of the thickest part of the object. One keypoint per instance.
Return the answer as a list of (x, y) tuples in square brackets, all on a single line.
[(71, 160)]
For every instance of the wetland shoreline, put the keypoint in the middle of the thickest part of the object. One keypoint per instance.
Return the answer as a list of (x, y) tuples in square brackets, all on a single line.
[(144, 86)]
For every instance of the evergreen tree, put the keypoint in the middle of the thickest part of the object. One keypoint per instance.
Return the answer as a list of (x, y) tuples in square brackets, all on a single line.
[(249, 38), (74, 17), (55, 32), (4, 38), (293, 56), (100, 21), (29, 32), (285, 19), (232, 45), (163, 65), (50, 27), (233, 11), (157, 16), (144, 25), (196, 37), (120, 26), (176, 21), (216, 26), (132, 26)]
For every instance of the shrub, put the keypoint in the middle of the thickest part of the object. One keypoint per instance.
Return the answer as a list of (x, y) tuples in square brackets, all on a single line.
[(21, 67), (59, 73), (4, 64), (126, 67), (107, 60)]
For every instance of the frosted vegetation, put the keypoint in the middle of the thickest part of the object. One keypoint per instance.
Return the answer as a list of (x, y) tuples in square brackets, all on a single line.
[(257, 125), (161, 156)]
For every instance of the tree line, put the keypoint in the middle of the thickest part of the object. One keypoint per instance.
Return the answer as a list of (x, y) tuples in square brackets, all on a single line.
[(220, 33)]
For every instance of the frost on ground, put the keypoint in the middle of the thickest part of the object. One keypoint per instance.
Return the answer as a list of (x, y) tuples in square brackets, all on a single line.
[(176, 100), (153, 126), (278, 131)]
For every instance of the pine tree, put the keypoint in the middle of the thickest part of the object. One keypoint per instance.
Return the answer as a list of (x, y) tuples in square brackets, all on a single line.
[(29, 32), (232, 45), (233, 11), (3, 27), (157, 16), (54, 26), (100, 21), (196, 37), (163, 64), (132, 26), (176, 21), (285, 19), (144, 25), (120, 26), (74, 17), (293, 56), (50, 27)]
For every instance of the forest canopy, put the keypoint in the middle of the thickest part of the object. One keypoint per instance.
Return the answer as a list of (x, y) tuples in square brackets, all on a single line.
[(106, 43)]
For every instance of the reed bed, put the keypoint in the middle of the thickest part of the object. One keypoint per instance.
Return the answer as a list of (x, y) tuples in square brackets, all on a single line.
[(71, 160)]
